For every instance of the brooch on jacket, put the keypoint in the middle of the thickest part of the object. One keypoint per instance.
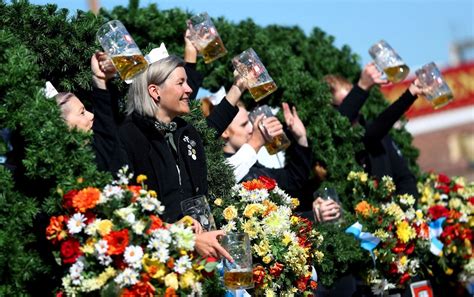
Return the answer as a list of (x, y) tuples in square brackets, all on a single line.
[(191, 144)]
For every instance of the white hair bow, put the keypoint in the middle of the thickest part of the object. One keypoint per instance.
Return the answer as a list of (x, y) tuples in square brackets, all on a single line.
[(49, 90)]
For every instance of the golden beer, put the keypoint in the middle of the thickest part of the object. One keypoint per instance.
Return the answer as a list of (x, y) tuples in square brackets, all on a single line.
[(129, 66), (235, 280), (278, 143), (442, 100), (213, 50), (396, 74), (260, 91)]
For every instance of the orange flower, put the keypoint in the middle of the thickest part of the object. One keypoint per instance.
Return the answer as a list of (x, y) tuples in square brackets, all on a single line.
[(117, 241), (276, 270), (170, 263), (258, 275), (170, 292), (269, 207), (313, 285), (142, 289), (86, 199), (156, 223), (55, 231), (135, 191), (365, 209), (253, 184)]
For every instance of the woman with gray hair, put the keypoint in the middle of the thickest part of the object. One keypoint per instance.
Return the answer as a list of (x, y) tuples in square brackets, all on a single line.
[(156, 142)]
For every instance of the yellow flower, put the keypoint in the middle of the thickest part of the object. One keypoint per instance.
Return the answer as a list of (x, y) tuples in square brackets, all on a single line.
[(153, 266), (249, 227), (448, 271), (171, 280), (363, 177), (294, 220), (267, 259), (88, 248), (295, 202), (252, 209), (152, 193), (381, 233), (286, 239), (403, 260), (405, 232), (104, 227), (230, 213), (218, 202), (389, 184), (141, 178), (187, 279), (262, 249), (187, 221)]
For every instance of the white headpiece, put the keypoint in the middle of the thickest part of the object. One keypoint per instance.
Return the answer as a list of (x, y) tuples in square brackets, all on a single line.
[(153, 56), (49, 90), (217, 97)]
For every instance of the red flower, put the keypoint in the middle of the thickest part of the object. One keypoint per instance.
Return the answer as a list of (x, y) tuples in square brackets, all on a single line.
[(471, 199), (438, 211), (443, 188), (258, 275), (313, 285), (456, 187), (269, 183), (67, 199), (376, 183), (156, 223), (399, 248), (393, 268), (142, 289), (405, 277), (409, 250), (117, 241), (301, 283), (135, 191), (70, 250), (442, 178), (276, 269)]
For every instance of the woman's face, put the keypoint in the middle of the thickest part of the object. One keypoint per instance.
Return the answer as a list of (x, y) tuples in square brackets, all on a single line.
[(76, 115), (174, 95), (239, 131)]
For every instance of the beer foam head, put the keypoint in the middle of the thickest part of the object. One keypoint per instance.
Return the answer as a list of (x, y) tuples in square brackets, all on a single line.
[(157, 54), (49, 90)]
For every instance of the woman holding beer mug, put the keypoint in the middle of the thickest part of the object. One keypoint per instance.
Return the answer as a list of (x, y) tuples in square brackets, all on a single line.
[(244, 140), (157, 142)]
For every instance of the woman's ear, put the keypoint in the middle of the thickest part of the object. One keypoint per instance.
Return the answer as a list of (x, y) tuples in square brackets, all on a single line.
[(225, 135), (154, 92)]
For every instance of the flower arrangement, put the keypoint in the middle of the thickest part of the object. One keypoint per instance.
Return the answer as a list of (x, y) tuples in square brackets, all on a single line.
[(113, 240), (395, 233), (452, 202), (283, 245)]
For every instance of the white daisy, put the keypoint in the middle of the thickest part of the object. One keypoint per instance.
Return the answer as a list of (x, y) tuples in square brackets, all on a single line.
[(101, 246), (183, 237), (128, 277), (133, 255), (104, 260), (75, 272), (162, 254), (183, 264), (76, 223)]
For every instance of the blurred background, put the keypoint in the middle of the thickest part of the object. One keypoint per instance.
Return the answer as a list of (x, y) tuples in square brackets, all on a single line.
[(421, 31)]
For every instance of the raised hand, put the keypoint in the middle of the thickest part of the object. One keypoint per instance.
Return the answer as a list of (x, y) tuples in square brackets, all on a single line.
[(102, 69), (326, 210), (370, 76), (295, 125)]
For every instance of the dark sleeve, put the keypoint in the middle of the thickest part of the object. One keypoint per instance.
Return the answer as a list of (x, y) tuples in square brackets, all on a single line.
[(296, 172), (221, 116), (380, 127), (353, 102), (104, 128), (195, 78), (404, 180)]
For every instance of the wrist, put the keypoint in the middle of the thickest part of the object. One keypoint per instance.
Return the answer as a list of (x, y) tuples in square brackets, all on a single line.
[(364, 85), (100, 83)]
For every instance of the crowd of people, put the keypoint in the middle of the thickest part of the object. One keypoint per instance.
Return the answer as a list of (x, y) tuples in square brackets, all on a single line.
[(156, 141)]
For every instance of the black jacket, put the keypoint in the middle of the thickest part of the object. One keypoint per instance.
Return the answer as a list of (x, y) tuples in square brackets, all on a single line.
[(381, 156)]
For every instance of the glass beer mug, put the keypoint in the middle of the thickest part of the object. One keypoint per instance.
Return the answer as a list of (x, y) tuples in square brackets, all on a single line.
[(387, 60), (436, 89), (205, 38), (237, 275), (275, 144), (249, 66), (119, 45), (198, 208)]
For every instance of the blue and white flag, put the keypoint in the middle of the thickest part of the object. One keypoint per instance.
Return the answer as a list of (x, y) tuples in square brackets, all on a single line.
[(367, 240), (436, 228)]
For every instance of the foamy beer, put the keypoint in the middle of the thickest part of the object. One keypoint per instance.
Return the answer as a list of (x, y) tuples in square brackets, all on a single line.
[(272, 144), (119, 45), (249, 66), (205, 38), (389, 61), (237, 275), (435, 87)]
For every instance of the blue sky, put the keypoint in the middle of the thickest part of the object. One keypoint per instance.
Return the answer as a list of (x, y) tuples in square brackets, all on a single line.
[(420, 30)]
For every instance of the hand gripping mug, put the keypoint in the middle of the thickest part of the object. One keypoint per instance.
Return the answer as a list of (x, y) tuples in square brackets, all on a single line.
[(275, 144), (119, 45), (249, 66), (205, 38), (387, 60), (436, 89)]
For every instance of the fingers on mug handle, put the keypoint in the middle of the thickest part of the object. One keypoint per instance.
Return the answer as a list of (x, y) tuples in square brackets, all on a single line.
[(221, 251)]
